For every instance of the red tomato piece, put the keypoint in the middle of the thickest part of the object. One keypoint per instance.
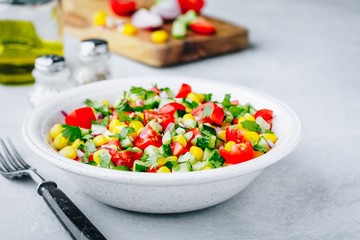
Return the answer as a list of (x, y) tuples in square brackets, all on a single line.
[(125, 157), (239, 153), (235, 135), (195, 5), (147, 137), (151, 170), (123, 7), (202, 26), (163, 118), (81, 117), (266, 114), (178, 149), (170, 108), (184, 91), (156, 90), (217, 115)]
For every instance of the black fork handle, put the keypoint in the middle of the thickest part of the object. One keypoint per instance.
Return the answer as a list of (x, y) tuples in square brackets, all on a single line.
[(70, 216)]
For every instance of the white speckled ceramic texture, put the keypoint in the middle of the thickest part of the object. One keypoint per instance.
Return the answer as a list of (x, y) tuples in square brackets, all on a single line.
[(160, 193)]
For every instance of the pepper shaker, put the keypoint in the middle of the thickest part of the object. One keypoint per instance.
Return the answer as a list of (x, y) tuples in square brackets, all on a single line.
[(93, 57)]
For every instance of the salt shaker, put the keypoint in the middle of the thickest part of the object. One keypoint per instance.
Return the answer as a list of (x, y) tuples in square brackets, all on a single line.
[(51, 77), (93, 56)]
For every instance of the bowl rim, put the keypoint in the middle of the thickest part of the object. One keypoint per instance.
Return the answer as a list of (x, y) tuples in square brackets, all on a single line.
[(147, 179)]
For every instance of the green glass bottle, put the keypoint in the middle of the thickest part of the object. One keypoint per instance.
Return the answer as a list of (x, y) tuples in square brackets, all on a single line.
[(28, 29)]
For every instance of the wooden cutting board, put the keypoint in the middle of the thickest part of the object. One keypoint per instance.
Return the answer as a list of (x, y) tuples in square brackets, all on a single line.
[(228, 38)]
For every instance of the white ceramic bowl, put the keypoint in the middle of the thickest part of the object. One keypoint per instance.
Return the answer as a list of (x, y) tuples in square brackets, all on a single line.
[(160, 193)]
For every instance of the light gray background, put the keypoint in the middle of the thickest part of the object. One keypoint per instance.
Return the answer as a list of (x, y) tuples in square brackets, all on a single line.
[(306, 53)]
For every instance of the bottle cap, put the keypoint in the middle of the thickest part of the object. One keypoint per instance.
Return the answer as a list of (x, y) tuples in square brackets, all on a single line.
[(50, 63), (93, 47)]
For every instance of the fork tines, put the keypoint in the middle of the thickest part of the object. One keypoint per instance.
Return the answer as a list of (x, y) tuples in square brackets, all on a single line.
[(10, 159)]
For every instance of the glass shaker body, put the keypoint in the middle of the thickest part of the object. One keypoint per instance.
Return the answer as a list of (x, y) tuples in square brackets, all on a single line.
[(49, 79), (28, 29)]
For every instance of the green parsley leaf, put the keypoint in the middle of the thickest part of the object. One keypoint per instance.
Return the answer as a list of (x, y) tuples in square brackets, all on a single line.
[(71, 132), (268, 131), (251, 126), (99, 107), (123, 117), (105, 159), (208, 110), (236, 110), (138, 90), (124, 106), (226, 103), (207, 97), (123, 133)]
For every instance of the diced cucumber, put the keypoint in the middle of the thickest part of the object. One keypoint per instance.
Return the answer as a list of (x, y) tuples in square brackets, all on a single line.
[(155, 125), (178, 30), (207, 153), (187, 157), (188, 17), (122, 168), (252, 110), (126, 142), (182, 167), (98, 129), (216, 159), (166, 139), (167, 150), (263, 143), (207, 130), (263, 124), (189, 123), (180, 130), (152, 150), (152, 101), (165, 101), (139, 166), (188, 135), (200, 165), (228, 117), (84, 131), (179, 113), (212, 142)]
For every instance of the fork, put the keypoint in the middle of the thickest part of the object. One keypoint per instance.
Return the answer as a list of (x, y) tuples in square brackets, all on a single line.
[(73, 220)]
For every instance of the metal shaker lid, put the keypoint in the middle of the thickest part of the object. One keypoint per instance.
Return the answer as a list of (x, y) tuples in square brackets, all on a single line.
[(50, 63), (93, 47)]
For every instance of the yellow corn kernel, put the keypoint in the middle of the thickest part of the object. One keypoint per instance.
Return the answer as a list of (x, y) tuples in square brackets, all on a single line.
[(113, 123), (201, 97), (139, 131), (136, 125), (100, 140), (180, 139), (60, 141), (99, 18), (172, 158), (129, 29), (207, 168), (251, 136), (188, 110), (249, 117), (193, 97), (221, 134), (270, 136), (141, 115), (229, 145), (188, 116), (197, 152), (105, 102), (77, 143), (159, 36), (55, 130), (117, 129), (163, 169), (240, 120), (69, 152), (161, 161), (96, 155)]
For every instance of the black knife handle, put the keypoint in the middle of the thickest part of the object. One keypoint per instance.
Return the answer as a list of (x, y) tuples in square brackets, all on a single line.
[(70, 216)]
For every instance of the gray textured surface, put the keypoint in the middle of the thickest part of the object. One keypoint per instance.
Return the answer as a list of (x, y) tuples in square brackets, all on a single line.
[(306, 53)]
